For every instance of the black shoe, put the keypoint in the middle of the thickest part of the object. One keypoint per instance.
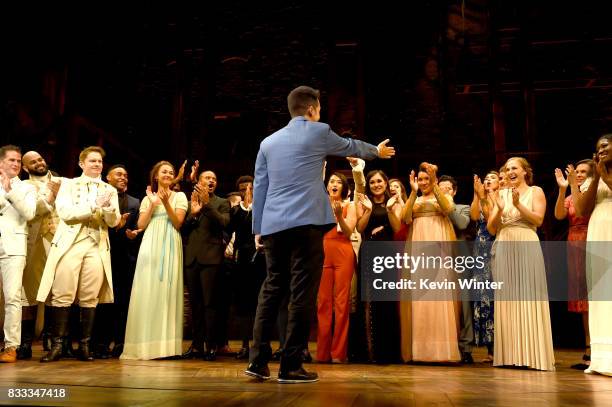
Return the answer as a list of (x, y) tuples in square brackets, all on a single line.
[(58, 323), (577, 366), (192, 353), (259, 371), (306, 357), (46, 341), (276, 356), (117, 350), (67, 350), (210, 356), (297, 376), (243, 353), (102, 352), (466, 358), (24, 352)]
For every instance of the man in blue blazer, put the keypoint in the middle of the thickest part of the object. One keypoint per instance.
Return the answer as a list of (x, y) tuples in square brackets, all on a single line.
[(291, 213)]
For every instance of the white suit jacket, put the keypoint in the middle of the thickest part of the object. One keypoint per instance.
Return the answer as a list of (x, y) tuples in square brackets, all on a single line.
[(16, 208)]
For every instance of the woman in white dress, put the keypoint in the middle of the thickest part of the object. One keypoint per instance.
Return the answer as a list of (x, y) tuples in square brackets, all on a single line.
[(597, 201), (155, 317)]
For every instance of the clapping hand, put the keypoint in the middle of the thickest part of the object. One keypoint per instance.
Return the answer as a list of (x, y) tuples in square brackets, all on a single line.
[(193, 176), (153, 198), (431, 170), (5, 181), (196, 205), (414, 185), (561, 181), (365, 201), (516, 196), (53, 186), (122, 220), (103, 201), (202, 194), (337, 207), (181, 174), (570, 171), (479, 189), (497, 200), (164, 195)]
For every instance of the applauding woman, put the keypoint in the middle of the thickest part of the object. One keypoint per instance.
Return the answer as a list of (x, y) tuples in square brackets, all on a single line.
[(597, 202), (431, 335), (523, 335), (155, 317), (338, 269)]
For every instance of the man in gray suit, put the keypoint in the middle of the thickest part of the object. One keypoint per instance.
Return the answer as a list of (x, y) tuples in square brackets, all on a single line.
[(208, 216), (460, 217)]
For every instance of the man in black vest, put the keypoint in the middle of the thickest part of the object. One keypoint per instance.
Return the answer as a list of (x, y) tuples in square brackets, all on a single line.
[(208, 217)]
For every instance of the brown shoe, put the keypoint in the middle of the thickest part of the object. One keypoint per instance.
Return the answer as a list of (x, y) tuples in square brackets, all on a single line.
[(9, 355)]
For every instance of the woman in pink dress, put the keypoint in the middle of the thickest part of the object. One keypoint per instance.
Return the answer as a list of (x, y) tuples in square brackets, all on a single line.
[(579, 180)]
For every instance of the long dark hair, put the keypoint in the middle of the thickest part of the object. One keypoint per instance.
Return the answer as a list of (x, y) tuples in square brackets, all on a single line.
[(384, 176)]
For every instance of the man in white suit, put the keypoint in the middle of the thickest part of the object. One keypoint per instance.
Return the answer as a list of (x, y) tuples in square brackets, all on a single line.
[(79, 264), (17, 207)]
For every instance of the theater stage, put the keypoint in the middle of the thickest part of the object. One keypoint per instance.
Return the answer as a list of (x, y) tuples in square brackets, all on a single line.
[(222, 383)]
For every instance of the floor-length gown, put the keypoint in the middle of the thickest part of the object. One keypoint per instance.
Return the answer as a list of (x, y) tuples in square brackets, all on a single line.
[(599, 278), (523, 335), (155, 317), (434, 323)]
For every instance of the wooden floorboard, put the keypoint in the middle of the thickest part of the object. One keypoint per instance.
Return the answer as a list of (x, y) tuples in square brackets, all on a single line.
[(223, 383)]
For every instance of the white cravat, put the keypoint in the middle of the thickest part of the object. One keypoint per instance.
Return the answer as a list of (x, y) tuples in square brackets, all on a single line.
[(92, 187)]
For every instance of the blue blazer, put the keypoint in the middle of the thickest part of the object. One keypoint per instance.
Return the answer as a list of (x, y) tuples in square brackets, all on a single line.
[(288, 189)]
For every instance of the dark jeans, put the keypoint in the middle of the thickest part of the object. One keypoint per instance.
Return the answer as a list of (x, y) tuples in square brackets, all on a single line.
[(203, 281), (294, 260)]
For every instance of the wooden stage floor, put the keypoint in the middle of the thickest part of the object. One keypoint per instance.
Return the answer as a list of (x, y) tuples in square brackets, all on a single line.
[(222, 383)]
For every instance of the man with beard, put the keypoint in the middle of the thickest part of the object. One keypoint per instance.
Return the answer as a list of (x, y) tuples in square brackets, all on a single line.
[(208, 217), (41, 230), (17, 207), (125, 241)]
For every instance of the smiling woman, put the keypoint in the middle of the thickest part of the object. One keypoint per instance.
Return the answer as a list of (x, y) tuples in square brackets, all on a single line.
[(523, 335)]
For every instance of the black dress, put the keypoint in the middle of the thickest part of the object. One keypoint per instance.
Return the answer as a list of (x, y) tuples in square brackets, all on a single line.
[(375, 334)]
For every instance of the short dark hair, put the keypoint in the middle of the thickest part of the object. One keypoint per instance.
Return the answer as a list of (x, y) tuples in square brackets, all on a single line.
[(345, 185), (243, 179), (114, 167), (9, 147), (449, 179), (235, 193), (301, 98)]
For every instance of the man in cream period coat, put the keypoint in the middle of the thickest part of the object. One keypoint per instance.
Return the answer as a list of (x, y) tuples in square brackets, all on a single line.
[(40, 234), (17, 207), (79, 264)]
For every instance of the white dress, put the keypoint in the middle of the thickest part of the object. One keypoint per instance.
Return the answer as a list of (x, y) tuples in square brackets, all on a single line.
[(155, 317), (599, 281)]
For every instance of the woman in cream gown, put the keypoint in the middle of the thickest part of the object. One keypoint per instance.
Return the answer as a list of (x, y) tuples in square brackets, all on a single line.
[(155, 316), (523, 335)]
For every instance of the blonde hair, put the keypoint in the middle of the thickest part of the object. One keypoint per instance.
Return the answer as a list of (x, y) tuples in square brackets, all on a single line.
[(526, 166), (91, 149)]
